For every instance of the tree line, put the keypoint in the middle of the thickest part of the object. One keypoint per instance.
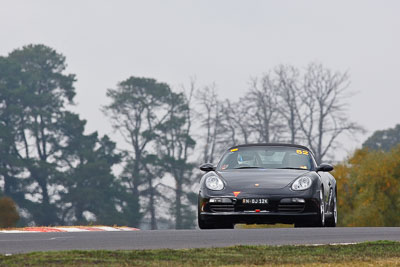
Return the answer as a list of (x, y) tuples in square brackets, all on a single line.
[(58, 174), (369, 182)]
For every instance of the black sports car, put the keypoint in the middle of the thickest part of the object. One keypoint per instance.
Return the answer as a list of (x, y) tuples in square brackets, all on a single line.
[(268, 184)]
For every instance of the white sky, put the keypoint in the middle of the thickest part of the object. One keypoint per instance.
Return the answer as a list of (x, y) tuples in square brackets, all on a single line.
[(222, 41)]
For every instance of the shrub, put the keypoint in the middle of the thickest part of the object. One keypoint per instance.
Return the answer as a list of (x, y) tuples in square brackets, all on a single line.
[(8, 213)]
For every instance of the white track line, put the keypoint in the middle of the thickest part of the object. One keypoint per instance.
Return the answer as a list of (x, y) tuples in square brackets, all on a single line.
[(107, 228), (13, 231), (71, 229)]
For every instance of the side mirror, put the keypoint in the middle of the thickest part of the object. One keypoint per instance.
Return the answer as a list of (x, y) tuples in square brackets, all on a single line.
[(324, 167), (207, 167)]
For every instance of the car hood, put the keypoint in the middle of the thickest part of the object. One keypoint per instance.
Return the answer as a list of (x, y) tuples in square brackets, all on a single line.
[(265, 178)]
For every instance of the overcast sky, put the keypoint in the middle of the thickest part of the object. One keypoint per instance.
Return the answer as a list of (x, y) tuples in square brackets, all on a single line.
[(225, 42)]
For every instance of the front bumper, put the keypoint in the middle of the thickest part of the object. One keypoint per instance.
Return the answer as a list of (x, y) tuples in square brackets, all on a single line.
[(281, 208)]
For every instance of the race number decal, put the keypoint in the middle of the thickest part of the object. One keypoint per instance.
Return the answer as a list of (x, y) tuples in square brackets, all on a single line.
[(302, 152)]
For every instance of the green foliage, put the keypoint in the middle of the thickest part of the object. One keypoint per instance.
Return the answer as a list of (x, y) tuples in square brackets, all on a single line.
[(368, 188), (11, 95), (174, 143), (8, 213), (37, 100), (383, 140), (89, 183), (48, 165), (154, 122), (379, 253), (138, 106)]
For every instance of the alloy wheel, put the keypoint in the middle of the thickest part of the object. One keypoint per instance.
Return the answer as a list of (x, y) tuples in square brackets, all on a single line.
[(322, 207), (335, 209)]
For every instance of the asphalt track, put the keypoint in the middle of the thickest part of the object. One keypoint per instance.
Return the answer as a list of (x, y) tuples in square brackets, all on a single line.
[(11, 243)]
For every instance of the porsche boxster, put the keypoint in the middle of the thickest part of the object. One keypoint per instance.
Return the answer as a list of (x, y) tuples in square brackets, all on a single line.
[(267, 184)]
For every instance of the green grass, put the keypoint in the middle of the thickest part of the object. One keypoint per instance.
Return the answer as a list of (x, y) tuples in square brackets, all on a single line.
[(383, 253)]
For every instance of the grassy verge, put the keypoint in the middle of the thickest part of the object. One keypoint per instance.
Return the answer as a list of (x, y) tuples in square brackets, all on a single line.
[(383, 253)]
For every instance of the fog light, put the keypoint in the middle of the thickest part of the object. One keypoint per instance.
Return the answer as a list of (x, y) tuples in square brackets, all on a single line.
[(298, 200), (220, 200)]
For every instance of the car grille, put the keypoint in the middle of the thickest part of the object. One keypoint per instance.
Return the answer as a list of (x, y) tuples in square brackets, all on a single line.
[(273, 206), (222, 207), (291, 207)]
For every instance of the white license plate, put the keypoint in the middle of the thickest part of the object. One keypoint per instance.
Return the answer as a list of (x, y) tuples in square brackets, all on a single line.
[(255, 201)]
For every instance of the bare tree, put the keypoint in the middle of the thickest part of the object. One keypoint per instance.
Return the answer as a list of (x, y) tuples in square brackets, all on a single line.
[(288, 102), (210, 115), (322, 118), (263, 108), (236, 122)]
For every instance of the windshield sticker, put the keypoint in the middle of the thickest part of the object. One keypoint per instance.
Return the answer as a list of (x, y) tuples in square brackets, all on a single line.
[(234, 149), (303, 167), (302, 152)]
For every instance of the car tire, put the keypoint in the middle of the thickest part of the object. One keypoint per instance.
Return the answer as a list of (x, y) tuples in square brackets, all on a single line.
[(214, 225), (320, 218), (332, 220), (224, 226), (203, 224)]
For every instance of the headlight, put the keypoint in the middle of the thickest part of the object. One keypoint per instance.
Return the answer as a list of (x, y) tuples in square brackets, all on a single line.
[(214, 183), (302, 183)]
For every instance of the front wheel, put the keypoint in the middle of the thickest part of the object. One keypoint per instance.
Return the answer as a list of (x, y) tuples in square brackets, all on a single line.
[(203, 224), (214, 225), (332, 221), (320, 218), (320, 222)]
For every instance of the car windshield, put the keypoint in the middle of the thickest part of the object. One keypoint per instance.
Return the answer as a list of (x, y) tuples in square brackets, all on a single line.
[(266, 157)]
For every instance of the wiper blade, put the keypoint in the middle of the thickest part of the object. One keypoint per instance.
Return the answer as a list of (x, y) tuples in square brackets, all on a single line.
[(250, 168)]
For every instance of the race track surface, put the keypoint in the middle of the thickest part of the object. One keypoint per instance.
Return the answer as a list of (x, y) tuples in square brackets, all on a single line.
[(11, 243)]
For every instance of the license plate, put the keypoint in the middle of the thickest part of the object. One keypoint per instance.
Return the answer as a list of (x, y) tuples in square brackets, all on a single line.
[(255, 201)]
